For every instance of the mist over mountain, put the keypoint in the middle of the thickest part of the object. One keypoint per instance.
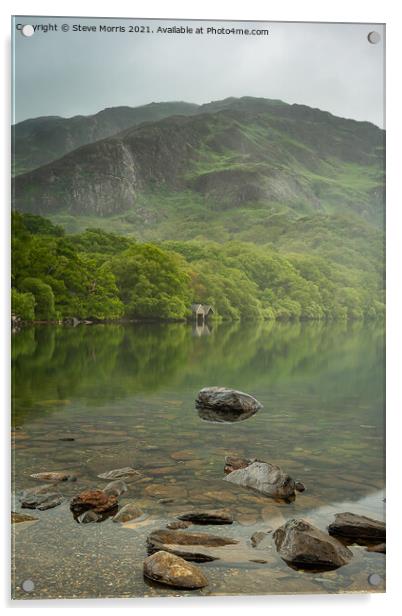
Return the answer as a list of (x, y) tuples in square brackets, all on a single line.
[(38, 141), (244, 158)]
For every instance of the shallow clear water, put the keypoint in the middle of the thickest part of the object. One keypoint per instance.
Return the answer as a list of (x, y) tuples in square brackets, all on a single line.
[(126, 396)]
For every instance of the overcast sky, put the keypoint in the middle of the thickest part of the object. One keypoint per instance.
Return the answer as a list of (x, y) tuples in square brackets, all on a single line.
[(329, 66)]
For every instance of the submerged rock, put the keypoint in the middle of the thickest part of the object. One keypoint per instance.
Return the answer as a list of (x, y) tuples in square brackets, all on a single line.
[(224, 415), (130, 511), (92, 499), (89, 516), (176, 524), (210, 516), (223, 399), (264, 477), (167, 568), (40, 499), (259, 538), (54, 476), (301, 544), (21, 517), (378, 547), (357, 526), (188, 545), (121, 473), (115, 488), (299, 486)]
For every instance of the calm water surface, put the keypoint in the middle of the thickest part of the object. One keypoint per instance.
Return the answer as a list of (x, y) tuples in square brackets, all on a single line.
[(126, 396)]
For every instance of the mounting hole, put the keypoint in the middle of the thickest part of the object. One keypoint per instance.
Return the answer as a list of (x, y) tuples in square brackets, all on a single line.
[(374, 579), (28, 585), (27, 30), (374, 37)]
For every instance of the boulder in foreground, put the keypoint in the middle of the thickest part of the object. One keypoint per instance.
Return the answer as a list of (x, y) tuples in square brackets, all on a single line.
[(357, 526), (301, 544), (266, 478), (224, 399), (167, 568)]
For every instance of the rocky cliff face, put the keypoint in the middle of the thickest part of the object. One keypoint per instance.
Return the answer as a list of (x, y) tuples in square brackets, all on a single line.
[(239, 152)]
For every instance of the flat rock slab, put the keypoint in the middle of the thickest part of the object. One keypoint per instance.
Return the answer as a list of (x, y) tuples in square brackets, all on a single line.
[(210, 516), (266, 478), (188, 545), (171, 491), (130, 511), (169, 569), (224, 399), (357, 526), (301, 544), (96, 500), (121, 473), (54, 476)]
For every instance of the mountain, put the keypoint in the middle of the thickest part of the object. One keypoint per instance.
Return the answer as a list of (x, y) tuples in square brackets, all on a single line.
[(227, 170), (38, 141)]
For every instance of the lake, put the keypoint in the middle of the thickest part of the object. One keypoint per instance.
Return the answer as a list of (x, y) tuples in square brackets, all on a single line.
[(125, 395)]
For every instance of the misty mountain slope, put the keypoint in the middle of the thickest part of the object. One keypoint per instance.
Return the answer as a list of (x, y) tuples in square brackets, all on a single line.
[(180, 176), (38, 141)]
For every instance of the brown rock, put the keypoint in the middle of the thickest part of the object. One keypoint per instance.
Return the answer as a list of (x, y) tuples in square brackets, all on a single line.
[(166, 568), (233, 463), (187, 544), (21, 517), (165, 491), (92, 499), (210, 516), (357, 526), (301, 544), (379, 547)]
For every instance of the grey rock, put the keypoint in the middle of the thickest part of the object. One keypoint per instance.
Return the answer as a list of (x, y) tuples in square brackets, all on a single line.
[(224, 399), (41, 501), (210, 516), (264, 477), (130, 511), (166, 568), (301, 544), (357, 526), (299, 486), (115, 488)]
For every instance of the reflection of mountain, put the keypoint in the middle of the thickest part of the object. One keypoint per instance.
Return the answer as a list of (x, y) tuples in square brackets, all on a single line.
[(106, 362)]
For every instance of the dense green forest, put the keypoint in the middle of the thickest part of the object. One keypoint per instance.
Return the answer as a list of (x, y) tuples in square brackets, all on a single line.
[(100, 275)]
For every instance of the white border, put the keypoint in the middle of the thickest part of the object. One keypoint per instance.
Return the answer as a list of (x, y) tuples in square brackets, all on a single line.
[(285, 10)]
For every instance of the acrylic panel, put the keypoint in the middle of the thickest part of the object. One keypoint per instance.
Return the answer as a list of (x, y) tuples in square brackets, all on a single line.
[(198, 400)]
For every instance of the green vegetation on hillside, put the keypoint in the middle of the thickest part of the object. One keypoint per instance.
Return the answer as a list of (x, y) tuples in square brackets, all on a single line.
[(101, 275)]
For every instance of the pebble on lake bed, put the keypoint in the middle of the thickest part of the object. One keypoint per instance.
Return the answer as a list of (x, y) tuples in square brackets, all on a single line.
[(121, 473), (54, 476), (166, 568)]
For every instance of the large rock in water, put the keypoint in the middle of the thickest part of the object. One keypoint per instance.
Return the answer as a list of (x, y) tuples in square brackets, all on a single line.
[(301, 544), (209, 516), (223, 400), (357, 526), (172, 570), (264, 477), (96, 500)]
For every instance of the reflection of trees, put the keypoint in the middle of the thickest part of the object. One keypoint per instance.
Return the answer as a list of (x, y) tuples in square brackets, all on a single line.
[(105, 362)]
